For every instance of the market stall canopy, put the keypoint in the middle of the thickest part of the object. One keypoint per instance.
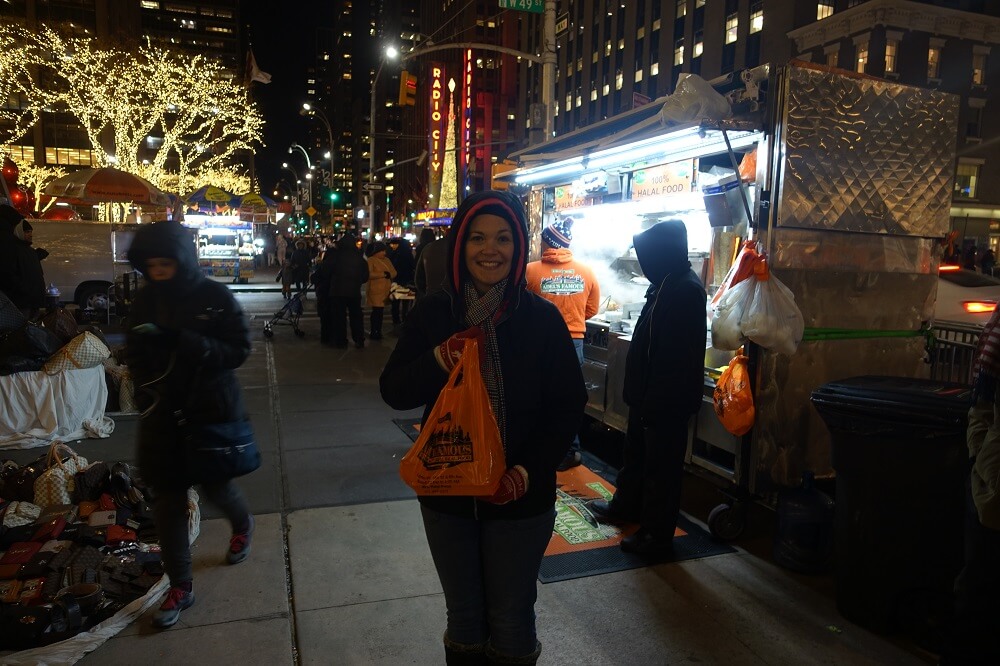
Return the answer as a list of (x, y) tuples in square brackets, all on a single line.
[(209, 199), (253, 200), (106, 185)]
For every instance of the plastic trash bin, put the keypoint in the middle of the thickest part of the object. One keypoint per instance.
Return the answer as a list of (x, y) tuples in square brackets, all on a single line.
[(898, 447)]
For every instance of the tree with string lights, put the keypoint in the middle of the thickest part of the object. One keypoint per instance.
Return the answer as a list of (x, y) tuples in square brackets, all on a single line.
[(15, 85), (203, 116), (33, 177)]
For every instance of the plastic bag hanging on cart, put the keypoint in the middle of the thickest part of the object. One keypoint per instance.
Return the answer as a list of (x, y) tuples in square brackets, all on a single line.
[(772, 320), (733, 399), (729, 312)]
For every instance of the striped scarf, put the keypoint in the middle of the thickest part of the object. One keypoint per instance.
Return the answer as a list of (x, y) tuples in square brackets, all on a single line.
[(485, 311), (986, 367)]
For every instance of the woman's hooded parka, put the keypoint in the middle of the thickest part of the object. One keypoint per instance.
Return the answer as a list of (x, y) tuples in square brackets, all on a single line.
[(188, 365), (543, 385)]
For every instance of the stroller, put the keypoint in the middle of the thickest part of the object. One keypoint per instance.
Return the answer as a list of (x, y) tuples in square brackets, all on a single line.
[(288, 314)]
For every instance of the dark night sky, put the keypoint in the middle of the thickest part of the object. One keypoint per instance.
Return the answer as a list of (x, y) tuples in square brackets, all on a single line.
[(283, 36)]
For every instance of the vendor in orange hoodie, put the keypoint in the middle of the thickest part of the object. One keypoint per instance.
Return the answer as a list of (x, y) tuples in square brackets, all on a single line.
[(572, 287)]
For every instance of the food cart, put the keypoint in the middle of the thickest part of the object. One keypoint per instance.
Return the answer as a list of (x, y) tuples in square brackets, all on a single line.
[(225, 245), (848, 196)]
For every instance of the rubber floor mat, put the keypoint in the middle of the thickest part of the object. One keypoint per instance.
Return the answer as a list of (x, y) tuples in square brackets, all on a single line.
[(581, 546)]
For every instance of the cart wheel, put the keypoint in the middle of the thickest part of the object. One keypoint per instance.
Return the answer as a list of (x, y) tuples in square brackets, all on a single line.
[(727, 522), (268, 333), (299, 333)]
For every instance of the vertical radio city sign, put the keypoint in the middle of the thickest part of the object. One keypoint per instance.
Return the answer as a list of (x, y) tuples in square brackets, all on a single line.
[(467, 118), (438, 127)]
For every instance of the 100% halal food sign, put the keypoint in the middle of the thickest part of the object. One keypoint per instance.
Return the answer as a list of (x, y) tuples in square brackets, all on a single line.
[(535, 6)]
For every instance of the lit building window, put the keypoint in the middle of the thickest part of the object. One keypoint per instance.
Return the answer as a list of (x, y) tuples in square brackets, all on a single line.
[(579, 64), (679, 52), (569, 102), (756, 18), (619, 80), (833, 58), (732, 25), (606, 90), (641, 32), (862, 57), (654, 69), (978, 69), (824, 8), (593, 94), (682, 8), (699, 3), (638, 75), (621, 44), (656, 25), (933, 62), (146, 4), (891, 55), (607, 48), (966, 180), (579, 100), (699, 44)]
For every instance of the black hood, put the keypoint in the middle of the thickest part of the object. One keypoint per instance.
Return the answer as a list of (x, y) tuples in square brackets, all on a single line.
[(9, 218), (169, 240), (489, 202), (662, 249)]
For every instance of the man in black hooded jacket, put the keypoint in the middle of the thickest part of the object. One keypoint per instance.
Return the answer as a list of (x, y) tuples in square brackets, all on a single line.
[(21, 277), (664, 382)]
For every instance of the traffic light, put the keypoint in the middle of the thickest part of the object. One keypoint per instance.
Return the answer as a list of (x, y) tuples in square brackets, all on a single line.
[(334, 196), (407, 89)]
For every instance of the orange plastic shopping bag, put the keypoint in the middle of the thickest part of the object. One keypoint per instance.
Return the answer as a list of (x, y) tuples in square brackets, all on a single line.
[(459, 451), (733, 400)]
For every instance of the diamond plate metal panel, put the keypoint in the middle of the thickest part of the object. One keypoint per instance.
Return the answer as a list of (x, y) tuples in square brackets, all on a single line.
[(866, 155)]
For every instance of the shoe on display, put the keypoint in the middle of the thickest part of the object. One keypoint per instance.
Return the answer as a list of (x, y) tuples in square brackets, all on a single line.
[(169, 612), (572, 459), (645, 542), (602, 511), (239, 545)]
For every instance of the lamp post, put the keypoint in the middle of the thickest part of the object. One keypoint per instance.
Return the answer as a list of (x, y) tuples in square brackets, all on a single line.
[(308, 109), (390, 54)]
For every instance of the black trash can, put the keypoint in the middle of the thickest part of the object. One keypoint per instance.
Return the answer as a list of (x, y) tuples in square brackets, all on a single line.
[(898, 447)]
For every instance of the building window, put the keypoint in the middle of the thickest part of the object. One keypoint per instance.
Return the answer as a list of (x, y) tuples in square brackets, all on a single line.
[(621, 44), (606, 89), (756, 17), (979, 69), (147, 4), (638, 75), (699, 3), (619, 80), (933, 62), (22, 153), (966, 180), (70, 156), (679, 52), (654, 69), (607, 48), (656, 24), (593, 94), (974, 128), (732, 25), (862, 57), (833, 58), (682, 8), (640, 33), (824, 8), (699, 44), (569, 101), (891, 55)]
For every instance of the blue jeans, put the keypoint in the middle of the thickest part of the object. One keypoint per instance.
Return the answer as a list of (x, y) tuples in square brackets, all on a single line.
[(488, 571)]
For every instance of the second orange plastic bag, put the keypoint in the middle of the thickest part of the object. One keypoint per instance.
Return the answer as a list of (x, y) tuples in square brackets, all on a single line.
[(458, 451), (733, 400)]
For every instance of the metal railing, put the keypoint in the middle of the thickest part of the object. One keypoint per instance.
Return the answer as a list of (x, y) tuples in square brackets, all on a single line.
[(951, 352)]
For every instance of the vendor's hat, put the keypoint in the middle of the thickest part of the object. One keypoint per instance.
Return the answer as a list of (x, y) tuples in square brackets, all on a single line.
[(559, 233)]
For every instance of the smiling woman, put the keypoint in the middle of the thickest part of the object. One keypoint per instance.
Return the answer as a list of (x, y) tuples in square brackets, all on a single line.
[(488, 251)]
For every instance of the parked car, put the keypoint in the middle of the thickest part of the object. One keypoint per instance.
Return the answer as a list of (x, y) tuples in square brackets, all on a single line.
[(965, 297)]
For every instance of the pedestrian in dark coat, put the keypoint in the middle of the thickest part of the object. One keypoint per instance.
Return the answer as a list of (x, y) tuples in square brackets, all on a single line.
[(488, 550), (664, 382), (186, 336), (401, 255), (321, 283), (301, 263), (432, 268), (21, 277), (348, 272)]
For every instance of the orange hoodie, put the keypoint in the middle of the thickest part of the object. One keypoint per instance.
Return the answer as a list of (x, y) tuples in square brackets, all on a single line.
[(570, 285)]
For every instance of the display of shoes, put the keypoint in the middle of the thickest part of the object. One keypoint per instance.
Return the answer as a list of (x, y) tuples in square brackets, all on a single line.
[(602, 511), (572, 459), (645, 542)]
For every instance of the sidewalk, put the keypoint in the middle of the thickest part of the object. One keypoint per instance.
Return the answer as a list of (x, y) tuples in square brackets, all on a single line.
[(340, 572)]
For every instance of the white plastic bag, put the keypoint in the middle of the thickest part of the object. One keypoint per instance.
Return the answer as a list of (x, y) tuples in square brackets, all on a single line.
[(726, 331), (772, 319)]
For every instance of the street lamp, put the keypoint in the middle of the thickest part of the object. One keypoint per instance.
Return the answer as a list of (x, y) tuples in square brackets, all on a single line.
[(307, 109), (390, 54)]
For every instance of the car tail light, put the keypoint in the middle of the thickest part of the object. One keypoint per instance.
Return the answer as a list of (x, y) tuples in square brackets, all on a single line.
[(944, 268), (979, 307)]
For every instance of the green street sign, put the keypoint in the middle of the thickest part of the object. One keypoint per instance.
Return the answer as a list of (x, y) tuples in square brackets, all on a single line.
[(534, 6)]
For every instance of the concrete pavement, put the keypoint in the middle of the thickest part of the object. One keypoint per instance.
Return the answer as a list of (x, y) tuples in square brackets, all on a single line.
[(340, 572)]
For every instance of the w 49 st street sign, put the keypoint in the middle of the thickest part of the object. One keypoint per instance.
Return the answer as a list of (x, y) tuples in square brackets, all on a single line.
[(534, 6)]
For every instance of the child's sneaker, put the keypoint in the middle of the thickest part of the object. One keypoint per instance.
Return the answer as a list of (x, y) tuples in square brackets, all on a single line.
[(239, 545), (170, 610)]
